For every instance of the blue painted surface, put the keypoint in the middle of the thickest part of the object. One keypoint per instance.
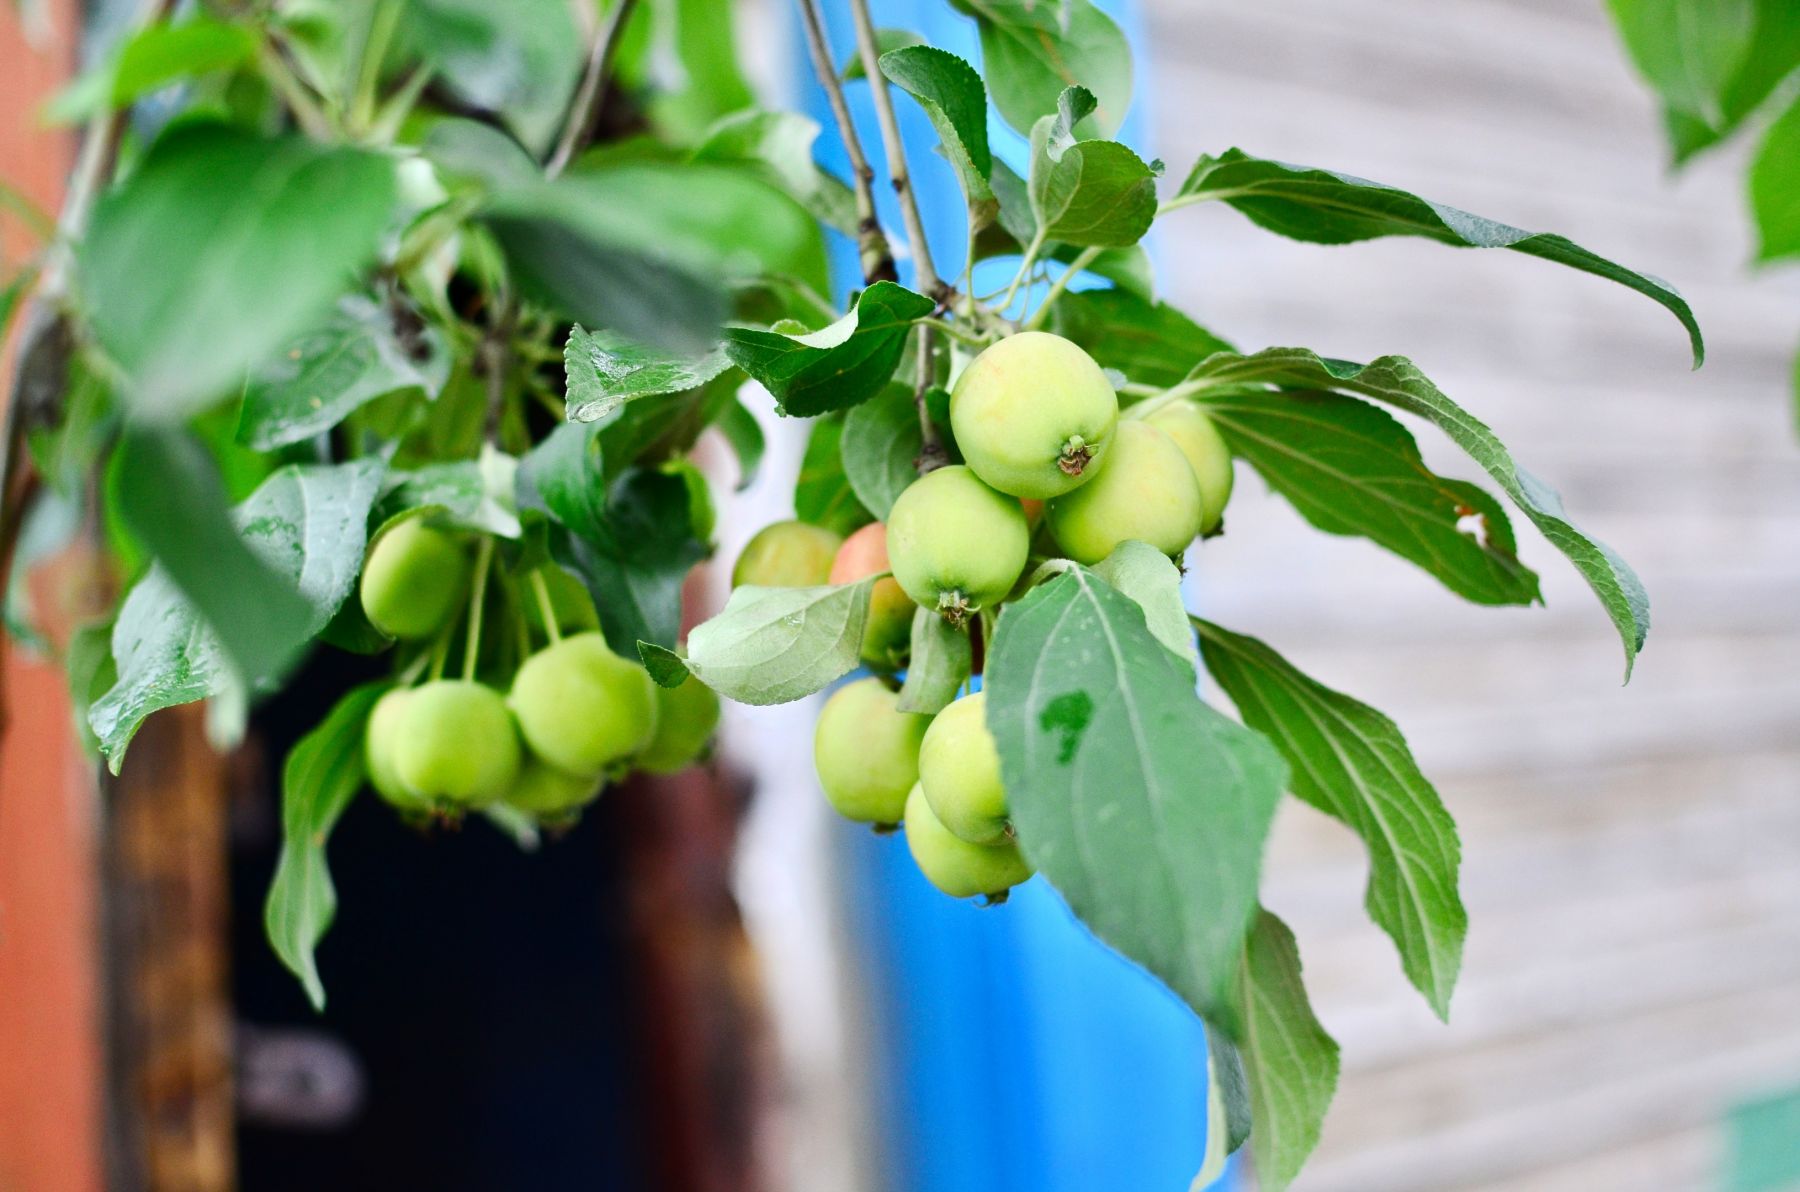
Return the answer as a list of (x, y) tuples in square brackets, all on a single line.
[(1018, 1054)]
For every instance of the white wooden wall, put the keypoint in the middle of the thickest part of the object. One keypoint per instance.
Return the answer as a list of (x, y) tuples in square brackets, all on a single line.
[(1632, 855)]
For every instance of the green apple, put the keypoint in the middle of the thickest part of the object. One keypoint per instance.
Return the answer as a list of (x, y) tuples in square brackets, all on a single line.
[(1033, 415), (959, 768), (581, 707), (455, 743), (867, 751), (787, 554), (954, 865), (414, 579), (956, 545), (1146, 491)]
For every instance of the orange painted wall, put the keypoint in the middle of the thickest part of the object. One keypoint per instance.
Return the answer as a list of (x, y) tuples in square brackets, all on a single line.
[(49, 1035)]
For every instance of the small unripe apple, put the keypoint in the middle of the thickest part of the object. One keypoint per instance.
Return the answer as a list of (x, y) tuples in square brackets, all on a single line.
[(952, 864), (956, 545), (959, 769), (381, 738), (414, 580), (570, 603), (549, 794), (867, 752), (787, 554), (1146, 491), (888, 630), (1033, 415), (455, 743), (686, 716), (1199, 440), (581, 707)]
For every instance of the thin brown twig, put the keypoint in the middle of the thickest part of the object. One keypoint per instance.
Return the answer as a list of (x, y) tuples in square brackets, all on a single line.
[(925, 278), (871, 242), (590, 95)]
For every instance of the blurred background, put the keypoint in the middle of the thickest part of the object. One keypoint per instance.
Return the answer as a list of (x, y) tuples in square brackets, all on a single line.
[(767, 1000)]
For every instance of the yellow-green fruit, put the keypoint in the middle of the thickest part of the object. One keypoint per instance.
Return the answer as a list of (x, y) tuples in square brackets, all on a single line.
[(956, 545), (1146, 491), (954, 865), (1199, 440), (888, 632), (413, 580), (569, 601), (380, 739), (686, 716), (581, 707), (787, 554), (959, 769), (455, 742), (1033, 415), (867, 752), (548, 793)]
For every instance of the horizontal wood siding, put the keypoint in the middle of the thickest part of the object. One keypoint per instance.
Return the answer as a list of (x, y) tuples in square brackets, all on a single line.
[(1632, 855)]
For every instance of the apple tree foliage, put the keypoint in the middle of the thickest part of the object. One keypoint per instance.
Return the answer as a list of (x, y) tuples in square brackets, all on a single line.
[(326, 265)]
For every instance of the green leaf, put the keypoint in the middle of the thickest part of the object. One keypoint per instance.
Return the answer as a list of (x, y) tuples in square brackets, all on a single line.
[(1292, 1064), (1152, 343), (776, 645), (1090, 193), (1227, 1107), (837, 366), (886, 41), (219, 249), (174, 503), (952, 95), (1688, 51), (1153, 582), (1144, 807), (566, 254), (151, 59), (1351, 762), (631, 541), (318, 378), (324, 771), (1351, 468), (744, 433), (708, 83), (822, 494), (469, 494), (880, 448), (469, 154), (605, 370), (89, 671), (778, 147), (520, 59), (308, 523), (667, 667), (1323, 207), (1773, 56), (941, 661), (1398, 382), (1775, 188), (1031, 50)]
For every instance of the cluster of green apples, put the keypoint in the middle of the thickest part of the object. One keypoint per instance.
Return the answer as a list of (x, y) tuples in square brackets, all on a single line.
[(1052, 468), (542, 739)]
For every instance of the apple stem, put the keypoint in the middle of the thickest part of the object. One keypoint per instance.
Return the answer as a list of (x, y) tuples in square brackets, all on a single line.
[(1081, 262), (440, 653), (546, 606), (484, 558)]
